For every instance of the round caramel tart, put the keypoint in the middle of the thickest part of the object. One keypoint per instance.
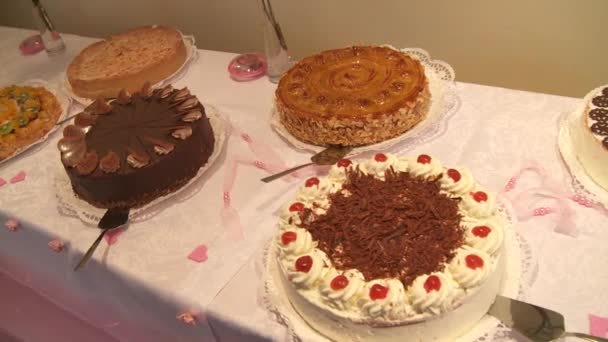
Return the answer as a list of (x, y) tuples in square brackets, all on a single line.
[(126, 61), (131, 150), (590, 136), (391, 249), (353, 96)]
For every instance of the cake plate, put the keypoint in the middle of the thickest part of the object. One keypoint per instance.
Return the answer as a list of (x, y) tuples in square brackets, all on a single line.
[(582, 184), (445, 102), (520, 273), (70, 205), (191, 57), (64, 101)]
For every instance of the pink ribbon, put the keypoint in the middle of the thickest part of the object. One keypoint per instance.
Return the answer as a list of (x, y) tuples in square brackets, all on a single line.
[(547, 189)]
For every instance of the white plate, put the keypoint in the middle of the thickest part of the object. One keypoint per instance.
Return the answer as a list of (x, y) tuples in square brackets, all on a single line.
[(444, 103), (64, 101), (191, 57), (70, 205)]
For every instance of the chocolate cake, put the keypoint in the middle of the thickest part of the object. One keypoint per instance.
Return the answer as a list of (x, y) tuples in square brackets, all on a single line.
[(129, 151)]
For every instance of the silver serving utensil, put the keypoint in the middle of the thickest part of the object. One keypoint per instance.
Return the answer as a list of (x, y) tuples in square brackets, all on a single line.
[(536, 323), (328, 156), (113, 218)]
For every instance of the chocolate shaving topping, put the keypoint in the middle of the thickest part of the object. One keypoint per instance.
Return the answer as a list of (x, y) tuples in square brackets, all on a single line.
[(100, 106), (600, 101), (180, 95), (182, 133), (124, 97), (88, 164), (166, 91), (402, 227), (600, 128), (110, 163), (138, 159), (146, 90), (605, 91), (73, 132), (189, 103), (192, 116), (599, 114)]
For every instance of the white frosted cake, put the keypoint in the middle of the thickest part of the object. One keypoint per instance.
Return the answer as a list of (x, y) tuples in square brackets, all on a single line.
[(590, 136), (391, 249)]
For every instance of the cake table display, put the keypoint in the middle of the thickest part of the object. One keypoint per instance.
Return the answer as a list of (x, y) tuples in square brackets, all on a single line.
[(390, 249)]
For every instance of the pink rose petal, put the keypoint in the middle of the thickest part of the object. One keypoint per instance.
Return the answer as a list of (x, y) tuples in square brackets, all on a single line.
[(112, 236), (20, 177), (56, 245), (187, 318), (12, 225), (2, 182), (598, 326), (199, 254)]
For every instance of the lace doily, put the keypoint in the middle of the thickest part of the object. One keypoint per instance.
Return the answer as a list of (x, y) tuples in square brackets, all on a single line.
[(70, 205), (520, 273), (191, 57), (444, 103), (582, 184), (64, 101)]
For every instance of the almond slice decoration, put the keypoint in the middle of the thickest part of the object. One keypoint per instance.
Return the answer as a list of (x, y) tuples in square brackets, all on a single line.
[(85, 119), (165, 92), (180, 95), (189, 103), (88, 164), (110, 163), (124, 97), (146, 90), (192, 116), (182, 133), (138, 159), (100, 107)]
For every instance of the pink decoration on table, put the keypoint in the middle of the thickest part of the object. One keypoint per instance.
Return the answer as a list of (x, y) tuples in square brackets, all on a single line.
[(112, 236), (56, 245), (2, 182), (20, 177), (199, 254), (12, 225), (187, 318), (598, 326)]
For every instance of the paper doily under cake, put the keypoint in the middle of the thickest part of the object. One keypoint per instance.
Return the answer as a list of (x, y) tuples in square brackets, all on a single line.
[(444, 103), (582, 184), (64, 101), (70, 205), (191, 57), (520, 273)]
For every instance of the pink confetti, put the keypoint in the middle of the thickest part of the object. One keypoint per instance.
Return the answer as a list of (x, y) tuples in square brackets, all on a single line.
[(598, 326), (20, 177), (187, 318), (12, 225), (112, 236), (56, 245), (199, 254), (2, 182)]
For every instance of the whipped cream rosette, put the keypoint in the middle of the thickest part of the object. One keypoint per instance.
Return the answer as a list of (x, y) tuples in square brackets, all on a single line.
[(391, 246)]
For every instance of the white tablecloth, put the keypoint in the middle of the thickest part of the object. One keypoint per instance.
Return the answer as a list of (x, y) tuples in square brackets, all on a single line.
[(134, 289)]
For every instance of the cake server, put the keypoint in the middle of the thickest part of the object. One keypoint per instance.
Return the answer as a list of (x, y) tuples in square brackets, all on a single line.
[(536, 323), (328, 156), (113, 218)]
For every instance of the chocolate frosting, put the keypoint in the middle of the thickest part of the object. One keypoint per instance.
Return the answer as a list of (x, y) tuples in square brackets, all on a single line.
[(402, 227), (137, 154)]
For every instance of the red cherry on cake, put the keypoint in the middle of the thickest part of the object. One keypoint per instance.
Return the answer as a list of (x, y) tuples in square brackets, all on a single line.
[(424, 159), (304, 263), (479, 196), (454, 174), (378, 291), (473, 261), (380, 157), (298, 206), (339, 282), (432, 283), (344, 163), (312, 182), (288, 237), (481, 231)]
